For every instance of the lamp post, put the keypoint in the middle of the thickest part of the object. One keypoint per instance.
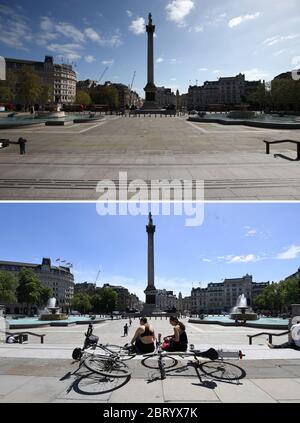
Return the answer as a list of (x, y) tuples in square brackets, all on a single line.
[(298, 277)]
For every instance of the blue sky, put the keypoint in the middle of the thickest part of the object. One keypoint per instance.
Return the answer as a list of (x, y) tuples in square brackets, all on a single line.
[(197, 40), (235, 239)]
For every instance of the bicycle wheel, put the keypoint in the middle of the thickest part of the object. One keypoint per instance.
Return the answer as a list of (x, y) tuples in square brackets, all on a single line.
[(107, 366), (152, 362), (223, 371), (124, 354)]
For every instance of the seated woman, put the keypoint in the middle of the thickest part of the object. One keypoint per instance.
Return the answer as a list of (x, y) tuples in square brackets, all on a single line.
[(294, 338), (178, 341), (144, 338)]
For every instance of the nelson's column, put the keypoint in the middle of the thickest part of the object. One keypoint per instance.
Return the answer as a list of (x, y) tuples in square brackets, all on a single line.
[(150, 88), (150, 291)]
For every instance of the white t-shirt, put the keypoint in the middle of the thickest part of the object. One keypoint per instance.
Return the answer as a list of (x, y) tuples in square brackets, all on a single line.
[(295, 333)]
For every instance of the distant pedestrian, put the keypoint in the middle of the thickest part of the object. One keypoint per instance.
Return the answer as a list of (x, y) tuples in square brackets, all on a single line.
[(126, 330), (22, 143), (130, 322)]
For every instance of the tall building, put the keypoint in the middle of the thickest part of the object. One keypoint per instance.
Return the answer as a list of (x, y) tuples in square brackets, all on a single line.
[(223, 296), (85, 288), (126, 300), (59, 279), (62, 78)]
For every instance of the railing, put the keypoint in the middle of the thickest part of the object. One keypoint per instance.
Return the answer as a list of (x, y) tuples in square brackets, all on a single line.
[(270, 335), (22, 338), (268, 143)]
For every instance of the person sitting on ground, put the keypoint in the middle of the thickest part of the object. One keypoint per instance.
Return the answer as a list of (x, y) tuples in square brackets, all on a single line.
[(178, 341), (144, 338), (294, 338)]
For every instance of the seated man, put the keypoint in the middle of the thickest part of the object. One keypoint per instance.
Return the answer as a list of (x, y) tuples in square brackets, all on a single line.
[(144, 338), (294, 337)]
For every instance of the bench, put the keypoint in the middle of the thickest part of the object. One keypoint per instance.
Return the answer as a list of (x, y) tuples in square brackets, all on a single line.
[(270, 335), (23, 336), (268, 143)]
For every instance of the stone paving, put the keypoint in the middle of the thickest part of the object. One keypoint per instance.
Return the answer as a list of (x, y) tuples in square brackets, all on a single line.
[(46, 373), (66, 163)]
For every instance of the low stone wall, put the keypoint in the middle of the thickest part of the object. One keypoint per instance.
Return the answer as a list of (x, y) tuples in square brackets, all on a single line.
[(257, 124), (247, 324)]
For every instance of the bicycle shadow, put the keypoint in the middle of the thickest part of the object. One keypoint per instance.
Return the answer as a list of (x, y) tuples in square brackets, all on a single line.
[(89, 383), (206, 376)]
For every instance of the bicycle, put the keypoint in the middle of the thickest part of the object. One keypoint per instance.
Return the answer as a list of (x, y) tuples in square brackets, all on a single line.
[(109, 363), (216, 368)]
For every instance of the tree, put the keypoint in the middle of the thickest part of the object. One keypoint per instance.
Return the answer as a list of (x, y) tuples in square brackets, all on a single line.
[(30, 290), (82, 303), (6, 95), (8, 286), (83, 97), (29, 86), (46, 94), (96, 303), (109, 299), (105, 94), (260, 97)]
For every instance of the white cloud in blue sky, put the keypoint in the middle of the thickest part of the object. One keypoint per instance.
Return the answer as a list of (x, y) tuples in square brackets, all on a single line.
[(260, 38)]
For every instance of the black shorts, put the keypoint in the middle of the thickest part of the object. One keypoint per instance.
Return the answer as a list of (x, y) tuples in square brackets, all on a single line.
[(144, 348)]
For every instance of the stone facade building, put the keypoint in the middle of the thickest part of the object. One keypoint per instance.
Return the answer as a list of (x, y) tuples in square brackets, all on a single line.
[(223, 296), (126, 300), (165, 97), (62, 78), (166, 300), (59, 279), (224, 93)]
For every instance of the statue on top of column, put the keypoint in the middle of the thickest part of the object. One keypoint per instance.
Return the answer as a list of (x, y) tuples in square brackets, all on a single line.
[(150, 219), (150, 19)]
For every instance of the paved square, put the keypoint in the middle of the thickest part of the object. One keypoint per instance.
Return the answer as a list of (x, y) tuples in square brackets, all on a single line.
[(66, 163)]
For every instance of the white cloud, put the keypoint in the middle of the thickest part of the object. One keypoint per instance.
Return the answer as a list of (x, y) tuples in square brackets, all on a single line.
[(296, 62), (251, 232), (70, 31), (279, 39), (160, 60), (108, 62), (217, 72), (138, 26), (291, 253), (66, 51), (178, 10), (202, 69), (14, 28), (92, 35), (207, 260), (240, 19), (199, 28), (256, 74), (173, 62), (250, 258), (129, 13), (89, 58)]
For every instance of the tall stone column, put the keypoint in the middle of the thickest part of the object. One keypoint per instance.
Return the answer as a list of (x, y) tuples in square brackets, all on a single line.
[(150, 291), (150, 88)]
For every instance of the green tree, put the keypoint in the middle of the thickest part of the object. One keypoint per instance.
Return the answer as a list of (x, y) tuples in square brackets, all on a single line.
[(105, 94), (109, 299), (82, 303), (29, 86), (96, 303), (6, 94), (46, 94), (8, 286), (260, 97), (83, 97), (30, 290)]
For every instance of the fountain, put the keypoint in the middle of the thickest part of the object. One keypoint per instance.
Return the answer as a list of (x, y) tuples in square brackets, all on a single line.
[(52, 312), (52, 112), (242, 312)]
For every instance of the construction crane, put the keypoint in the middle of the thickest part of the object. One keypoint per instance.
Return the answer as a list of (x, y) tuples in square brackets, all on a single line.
[(103, 73), (130, 88), (97, 277)]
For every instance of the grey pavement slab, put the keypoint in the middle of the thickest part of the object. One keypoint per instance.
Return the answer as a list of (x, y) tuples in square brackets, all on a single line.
[(9, 383), (244, 392), (148, 148), (139, 391), (280, 389), (187, 389), (36, 390)]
